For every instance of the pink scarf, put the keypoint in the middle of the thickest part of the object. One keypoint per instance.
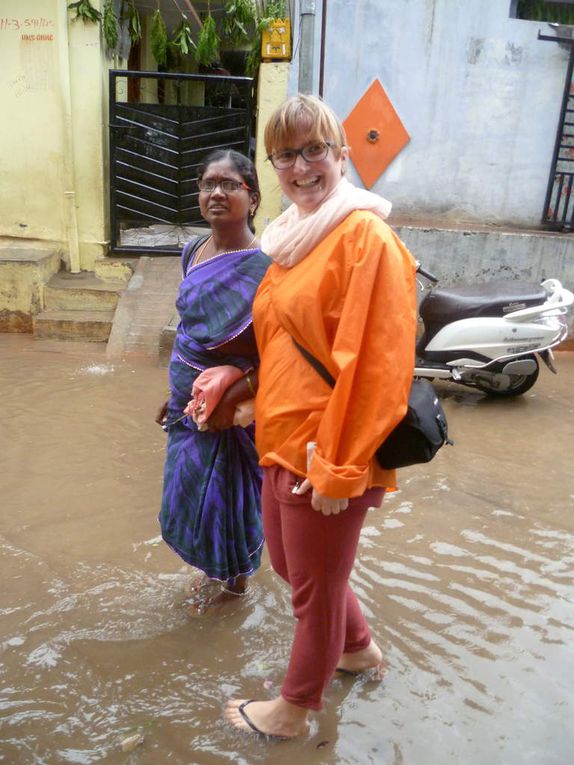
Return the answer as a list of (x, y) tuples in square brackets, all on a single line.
[(292, 236)]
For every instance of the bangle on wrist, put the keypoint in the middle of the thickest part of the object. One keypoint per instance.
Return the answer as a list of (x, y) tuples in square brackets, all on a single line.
[(249, 384)]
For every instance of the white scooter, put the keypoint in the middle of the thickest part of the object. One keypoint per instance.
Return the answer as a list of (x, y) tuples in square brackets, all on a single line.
[(489, 335)]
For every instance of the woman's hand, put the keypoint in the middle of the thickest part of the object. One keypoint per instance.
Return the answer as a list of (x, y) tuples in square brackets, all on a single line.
[(222, 416), (161, 414), (321, 503)]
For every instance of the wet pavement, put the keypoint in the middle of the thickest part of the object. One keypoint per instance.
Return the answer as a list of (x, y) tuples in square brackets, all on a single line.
[(466, 574)]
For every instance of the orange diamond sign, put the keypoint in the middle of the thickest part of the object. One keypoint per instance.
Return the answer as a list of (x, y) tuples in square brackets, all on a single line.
[(375, 133)]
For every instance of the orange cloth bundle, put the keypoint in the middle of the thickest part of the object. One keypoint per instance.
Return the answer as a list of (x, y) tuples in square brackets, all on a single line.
[(207, 391)]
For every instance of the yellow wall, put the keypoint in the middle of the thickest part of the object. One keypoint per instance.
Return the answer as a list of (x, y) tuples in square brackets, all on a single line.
[(89, 97), (30, 132), (272, 92), (23, 273), (54, 135), (52, 171)]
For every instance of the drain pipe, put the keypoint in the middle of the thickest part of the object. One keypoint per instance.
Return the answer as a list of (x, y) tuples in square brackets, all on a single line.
[(68, 143), (306, 36), (323, 47)]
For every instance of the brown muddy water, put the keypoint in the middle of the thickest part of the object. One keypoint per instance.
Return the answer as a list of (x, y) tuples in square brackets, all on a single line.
[(466, 574)]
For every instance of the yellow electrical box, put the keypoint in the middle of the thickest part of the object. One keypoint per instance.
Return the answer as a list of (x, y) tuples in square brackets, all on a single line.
[(276, 40)]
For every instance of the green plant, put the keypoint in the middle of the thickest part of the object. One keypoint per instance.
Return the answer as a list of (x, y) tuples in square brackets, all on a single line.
[(134, 22), (207, 49), (243, 20), (538, 10), (183, 38), (159, 38), (274, 9), (85, 11), (110, 26), (254, 56), (240, 16), (111, 23)]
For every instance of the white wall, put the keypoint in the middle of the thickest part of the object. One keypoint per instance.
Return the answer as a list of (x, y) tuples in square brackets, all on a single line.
[(479, 95)]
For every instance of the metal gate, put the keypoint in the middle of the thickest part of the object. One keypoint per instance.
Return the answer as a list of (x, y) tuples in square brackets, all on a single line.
[(559, 204), (161, 127)]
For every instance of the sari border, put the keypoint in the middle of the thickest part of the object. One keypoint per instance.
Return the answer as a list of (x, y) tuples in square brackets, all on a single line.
[(188, 363), (231, 337), (194, 266)]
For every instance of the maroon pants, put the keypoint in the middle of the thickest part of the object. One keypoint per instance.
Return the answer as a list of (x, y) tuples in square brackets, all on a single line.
[(315, 554)]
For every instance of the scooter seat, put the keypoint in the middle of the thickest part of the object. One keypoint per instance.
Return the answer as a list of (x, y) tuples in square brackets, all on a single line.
[(495, 298)]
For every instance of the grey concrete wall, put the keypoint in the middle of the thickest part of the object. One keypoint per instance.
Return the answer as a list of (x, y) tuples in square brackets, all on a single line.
[(473, 256), (478, 93)]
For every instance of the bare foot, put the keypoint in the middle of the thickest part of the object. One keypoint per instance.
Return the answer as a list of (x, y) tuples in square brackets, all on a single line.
[(276, 718), (199, 582), (230, 592), (212, 592), (238, 587), (370, 658)]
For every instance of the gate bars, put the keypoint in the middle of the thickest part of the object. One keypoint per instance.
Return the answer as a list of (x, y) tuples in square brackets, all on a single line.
[(162, 125), (559, 203)]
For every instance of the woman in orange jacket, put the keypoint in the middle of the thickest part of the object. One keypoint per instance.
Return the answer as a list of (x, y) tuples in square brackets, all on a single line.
[(341, 285)]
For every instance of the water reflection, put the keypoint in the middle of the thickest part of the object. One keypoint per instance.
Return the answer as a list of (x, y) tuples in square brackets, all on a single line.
[(466, 575)]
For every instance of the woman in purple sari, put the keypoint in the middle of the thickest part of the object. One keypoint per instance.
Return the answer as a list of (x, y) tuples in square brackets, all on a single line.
[(210, 513)]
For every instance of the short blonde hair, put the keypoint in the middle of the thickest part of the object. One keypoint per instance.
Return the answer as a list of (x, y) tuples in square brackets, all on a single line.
[(303, 115)]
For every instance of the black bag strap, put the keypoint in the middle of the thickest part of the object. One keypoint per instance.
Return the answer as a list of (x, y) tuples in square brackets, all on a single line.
[(189, 250), (316, 364)]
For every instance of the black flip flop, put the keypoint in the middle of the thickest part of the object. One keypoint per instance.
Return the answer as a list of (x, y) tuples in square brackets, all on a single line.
[(362, 672), (349, 672), (249, 721)]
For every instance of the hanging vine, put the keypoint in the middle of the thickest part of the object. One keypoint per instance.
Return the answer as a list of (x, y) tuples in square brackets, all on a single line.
[(207, 50), (85, 11), (159, 38), (134, 22), (182, 40), (240, 17), (242, 21), (110, 26)]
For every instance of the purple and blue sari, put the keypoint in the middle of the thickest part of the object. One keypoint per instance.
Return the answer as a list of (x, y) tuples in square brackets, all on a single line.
[(211, 509)]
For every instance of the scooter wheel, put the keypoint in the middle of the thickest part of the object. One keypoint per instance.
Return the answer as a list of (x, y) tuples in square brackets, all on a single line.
[(505, 386)]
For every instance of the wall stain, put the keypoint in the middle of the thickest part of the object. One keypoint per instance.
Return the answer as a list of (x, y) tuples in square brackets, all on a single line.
[(16, 321), (513, 54), (475, 49), (431, 26)]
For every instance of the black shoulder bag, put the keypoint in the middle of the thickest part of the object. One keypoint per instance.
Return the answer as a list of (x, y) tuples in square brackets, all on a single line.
[(418, 436), (189, 250)]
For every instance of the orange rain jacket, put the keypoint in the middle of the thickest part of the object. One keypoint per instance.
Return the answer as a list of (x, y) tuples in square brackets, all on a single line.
[(352, 303)]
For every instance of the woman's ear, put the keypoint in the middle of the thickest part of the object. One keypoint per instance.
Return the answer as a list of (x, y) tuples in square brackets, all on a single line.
[(254, 203), (344, 158)]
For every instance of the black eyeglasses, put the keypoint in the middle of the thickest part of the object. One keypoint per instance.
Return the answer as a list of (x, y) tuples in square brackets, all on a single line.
[(225, 184), (312, 152)]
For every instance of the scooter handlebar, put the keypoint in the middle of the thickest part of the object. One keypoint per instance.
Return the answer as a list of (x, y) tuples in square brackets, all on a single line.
[(427, 274)]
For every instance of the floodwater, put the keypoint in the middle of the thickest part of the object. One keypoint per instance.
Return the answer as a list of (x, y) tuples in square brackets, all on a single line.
[(466, 574)]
